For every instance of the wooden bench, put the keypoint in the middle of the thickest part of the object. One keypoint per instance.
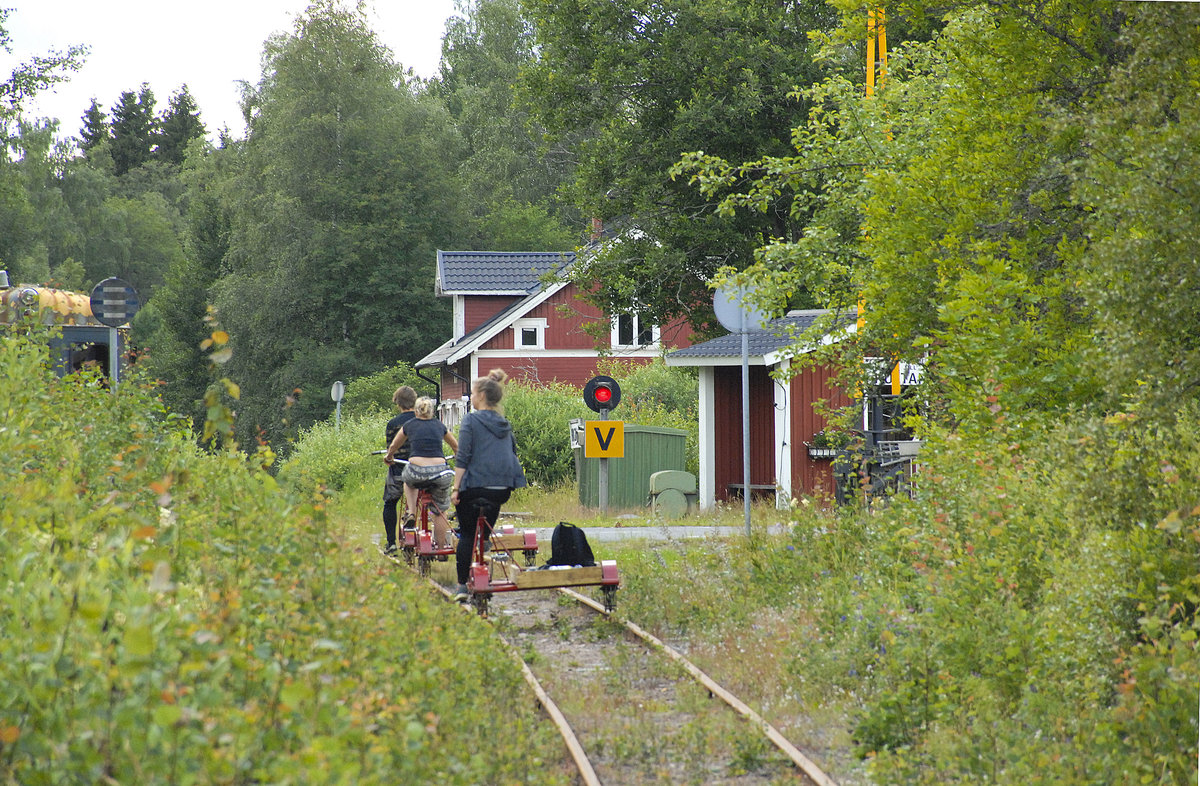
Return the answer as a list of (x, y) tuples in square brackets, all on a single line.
[(756, 489)]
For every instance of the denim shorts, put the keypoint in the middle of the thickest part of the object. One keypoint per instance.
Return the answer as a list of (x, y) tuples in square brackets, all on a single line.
[(437, 478)]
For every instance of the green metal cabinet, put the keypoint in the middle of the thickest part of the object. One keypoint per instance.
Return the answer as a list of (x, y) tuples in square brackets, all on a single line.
[(648, 449)]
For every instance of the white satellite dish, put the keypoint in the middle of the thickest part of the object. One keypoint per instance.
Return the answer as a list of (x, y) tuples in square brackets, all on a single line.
[(734, 312)]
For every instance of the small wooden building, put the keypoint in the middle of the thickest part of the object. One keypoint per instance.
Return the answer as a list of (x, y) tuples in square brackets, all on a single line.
[(782, 417)]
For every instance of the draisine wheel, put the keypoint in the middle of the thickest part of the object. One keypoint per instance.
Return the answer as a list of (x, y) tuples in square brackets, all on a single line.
[(423, 565), (480, 601), (610, 598)]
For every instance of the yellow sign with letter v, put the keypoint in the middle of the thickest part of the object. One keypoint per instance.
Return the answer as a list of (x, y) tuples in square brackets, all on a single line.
[(604, 439)]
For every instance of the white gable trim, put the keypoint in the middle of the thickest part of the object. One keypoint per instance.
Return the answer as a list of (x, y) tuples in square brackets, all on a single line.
[(530, 303)]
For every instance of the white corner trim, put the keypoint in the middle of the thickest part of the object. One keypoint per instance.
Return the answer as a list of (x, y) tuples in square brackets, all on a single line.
[(707, 439), (783, 440)]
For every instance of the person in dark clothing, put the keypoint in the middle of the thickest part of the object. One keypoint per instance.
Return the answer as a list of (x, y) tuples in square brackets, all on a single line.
[(427, 467), (486, 467), (393, 487)]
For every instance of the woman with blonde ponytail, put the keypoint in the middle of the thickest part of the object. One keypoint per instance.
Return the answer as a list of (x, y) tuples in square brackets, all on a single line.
[(486, 467)]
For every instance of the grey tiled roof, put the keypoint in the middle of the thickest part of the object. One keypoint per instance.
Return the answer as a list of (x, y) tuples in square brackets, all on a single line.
[(497, 272), (775, 337)]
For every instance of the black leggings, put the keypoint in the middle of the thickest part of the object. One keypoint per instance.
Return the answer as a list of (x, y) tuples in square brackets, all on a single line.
[(468, 514)]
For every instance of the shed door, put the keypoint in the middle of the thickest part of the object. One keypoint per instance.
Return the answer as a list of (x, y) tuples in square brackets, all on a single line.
[(727, 396)]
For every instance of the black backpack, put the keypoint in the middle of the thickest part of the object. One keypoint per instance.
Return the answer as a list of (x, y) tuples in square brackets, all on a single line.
[(569, 546)]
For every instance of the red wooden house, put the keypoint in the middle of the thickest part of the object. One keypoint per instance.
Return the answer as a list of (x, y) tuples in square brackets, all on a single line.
[(510, 312), (782, 417)]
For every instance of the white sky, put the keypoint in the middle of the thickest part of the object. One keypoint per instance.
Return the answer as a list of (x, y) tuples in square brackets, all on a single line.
[(207, 45)]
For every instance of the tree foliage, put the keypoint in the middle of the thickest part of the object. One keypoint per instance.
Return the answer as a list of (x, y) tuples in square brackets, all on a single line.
[(512, 182), (629, 87), (134, 129), (1022, 226), (30, 78), (179, 125), (343, 193)]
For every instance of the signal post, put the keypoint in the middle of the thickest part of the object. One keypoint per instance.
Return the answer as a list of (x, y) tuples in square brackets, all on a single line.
[(604, 438)]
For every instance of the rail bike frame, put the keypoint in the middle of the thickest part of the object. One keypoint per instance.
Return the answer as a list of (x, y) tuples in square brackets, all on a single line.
[(422, 535), (494, 570)]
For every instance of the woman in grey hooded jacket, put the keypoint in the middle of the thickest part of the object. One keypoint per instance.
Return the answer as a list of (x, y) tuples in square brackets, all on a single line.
[(486, 467)]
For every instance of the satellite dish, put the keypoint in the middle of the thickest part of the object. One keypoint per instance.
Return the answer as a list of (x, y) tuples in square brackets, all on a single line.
[(734, 312)]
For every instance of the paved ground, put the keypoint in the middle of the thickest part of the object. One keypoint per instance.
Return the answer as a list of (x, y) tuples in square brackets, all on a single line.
[(657, 532)]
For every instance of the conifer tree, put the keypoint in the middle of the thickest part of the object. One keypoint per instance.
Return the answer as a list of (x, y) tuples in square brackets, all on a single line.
[(133, 129), (95, 126), (178, 126)]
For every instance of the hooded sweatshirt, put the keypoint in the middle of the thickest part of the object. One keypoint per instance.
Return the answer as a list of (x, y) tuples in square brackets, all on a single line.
[(487, 452)]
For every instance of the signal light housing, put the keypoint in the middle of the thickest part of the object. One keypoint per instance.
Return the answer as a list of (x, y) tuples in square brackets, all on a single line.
[(602, 393)]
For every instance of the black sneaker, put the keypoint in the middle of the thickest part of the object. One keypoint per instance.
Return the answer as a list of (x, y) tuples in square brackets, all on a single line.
[(460, 593), (390, 550)]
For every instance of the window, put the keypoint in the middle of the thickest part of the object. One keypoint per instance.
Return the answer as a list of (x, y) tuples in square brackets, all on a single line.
[(630, 330), (529, 334)]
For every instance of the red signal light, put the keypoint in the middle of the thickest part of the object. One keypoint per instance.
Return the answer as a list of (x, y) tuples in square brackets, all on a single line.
[(602, 393)]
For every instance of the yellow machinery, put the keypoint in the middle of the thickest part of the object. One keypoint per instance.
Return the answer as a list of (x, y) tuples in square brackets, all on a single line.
[(84, 341)]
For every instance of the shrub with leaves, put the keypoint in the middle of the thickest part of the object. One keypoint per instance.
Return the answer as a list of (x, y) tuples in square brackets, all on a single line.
[(540, 418), (372, 394), (173, 616)]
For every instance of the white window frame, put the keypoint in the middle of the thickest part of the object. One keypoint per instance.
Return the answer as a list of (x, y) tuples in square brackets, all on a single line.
[(615, 334), (521, 325)]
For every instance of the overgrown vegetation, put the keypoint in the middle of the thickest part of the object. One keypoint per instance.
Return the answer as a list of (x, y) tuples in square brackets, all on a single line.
[(177, 617), (1026, 618)]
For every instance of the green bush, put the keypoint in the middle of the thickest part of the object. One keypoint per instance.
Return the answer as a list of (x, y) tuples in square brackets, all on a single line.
[(174, 616), (333, 457), (540, 418), (372, 395)]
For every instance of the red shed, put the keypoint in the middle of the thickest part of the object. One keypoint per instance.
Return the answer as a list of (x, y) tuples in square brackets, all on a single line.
[(782, 417)]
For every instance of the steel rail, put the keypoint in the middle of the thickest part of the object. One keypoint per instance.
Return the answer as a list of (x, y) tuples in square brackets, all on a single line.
[(578, 754), (805, 764)]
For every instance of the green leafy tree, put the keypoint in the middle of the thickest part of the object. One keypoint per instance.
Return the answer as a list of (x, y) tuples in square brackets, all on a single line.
[(961, 241), (140, 242), (1140, 271), (630, 87), (32, 77), (17, 214), (511, 179), (51, 231), (344, 192)]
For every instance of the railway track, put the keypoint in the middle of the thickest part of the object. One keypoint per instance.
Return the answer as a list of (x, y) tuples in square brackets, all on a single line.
[(631, 709)]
